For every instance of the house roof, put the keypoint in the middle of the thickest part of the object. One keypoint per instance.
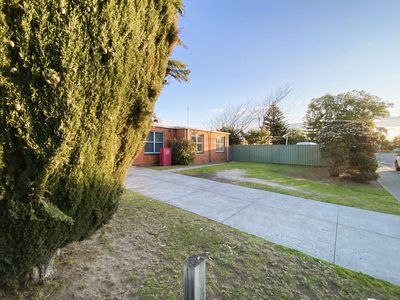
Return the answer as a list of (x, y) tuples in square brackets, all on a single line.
[(188, 127)]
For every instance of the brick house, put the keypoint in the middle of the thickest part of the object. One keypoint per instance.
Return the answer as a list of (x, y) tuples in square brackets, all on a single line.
[(212, 146)]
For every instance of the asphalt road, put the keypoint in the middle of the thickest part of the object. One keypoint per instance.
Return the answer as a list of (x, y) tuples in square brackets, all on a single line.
[(388, 176), (386, 159)]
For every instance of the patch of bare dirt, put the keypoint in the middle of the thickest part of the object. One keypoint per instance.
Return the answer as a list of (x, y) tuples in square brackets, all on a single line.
[(107, 265), (310, 173), (112, 264), (211, 176), (241, 176), (322, 174)]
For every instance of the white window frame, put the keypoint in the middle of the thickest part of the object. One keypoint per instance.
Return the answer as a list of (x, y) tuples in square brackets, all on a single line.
[(219, 143), (154, 142), (197, 142)]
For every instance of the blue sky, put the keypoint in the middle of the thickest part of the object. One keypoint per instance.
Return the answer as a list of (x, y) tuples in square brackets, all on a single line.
[(242, 50)]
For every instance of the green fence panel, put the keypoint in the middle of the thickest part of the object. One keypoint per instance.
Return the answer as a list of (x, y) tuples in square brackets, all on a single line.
[(308, 155)]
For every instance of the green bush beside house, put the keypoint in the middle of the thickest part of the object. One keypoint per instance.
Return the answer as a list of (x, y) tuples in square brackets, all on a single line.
[(183, 152)]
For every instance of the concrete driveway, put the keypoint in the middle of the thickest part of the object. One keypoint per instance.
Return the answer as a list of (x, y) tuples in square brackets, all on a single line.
[(364, 241)]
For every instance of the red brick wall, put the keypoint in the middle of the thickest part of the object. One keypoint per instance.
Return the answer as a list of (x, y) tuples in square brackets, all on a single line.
[(208, 156), (143, 159), (181, 133), (219, 156)]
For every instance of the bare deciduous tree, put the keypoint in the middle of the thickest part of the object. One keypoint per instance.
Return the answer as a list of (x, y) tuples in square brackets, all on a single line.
[(245, 116), (240, 117)]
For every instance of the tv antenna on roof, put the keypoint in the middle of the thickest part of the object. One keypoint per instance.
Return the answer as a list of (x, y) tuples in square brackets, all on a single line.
[(187, 116)]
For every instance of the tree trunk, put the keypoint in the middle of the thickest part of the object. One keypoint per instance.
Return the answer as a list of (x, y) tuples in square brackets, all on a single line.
[(42, 272)]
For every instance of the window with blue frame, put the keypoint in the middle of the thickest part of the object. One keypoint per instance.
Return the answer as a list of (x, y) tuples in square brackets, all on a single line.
[(154, 142)]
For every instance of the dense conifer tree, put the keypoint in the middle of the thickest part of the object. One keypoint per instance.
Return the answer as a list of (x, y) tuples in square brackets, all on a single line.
[(274, 122), (79, 80)]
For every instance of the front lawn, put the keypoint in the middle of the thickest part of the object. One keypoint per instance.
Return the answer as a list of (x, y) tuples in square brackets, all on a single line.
[(139, 255), (307, 182)]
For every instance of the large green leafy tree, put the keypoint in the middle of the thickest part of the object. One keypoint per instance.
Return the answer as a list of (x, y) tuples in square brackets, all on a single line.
[(274, 122), (382, 141), (79, 80), (351, 106), (350, 147), (396, 142)]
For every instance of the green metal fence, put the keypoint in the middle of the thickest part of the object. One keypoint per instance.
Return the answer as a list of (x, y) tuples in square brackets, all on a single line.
[(309, 155)]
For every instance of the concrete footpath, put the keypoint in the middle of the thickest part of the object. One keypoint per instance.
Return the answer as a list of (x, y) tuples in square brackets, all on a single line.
[(364, 241)]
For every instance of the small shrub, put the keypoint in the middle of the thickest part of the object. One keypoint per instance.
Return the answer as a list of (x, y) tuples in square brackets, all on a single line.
[(183, 152)]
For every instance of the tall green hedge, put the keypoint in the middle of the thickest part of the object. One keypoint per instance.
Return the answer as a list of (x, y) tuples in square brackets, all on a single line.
[(79, 80)]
